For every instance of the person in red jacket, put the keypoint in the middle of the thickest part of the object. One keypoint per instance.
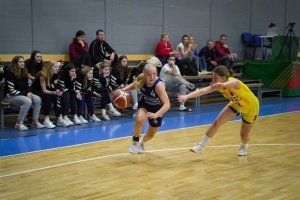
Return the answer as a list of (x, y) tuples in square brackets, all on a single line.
[(164, 49), (79, 50), (223, 55)]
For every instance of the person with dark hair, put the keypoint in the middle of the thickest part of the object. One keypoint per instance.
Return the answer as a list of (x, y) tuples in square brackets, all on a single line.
[(79, 50), (241, 101), (223, 54), (101, 51), (207, 57), (19, 94), (34, 64), (67, 78), (120, 77)]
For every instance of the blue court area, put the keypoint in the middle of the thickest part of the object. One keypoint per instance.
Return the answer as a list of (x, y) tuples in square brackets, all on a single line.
[(14, 142)]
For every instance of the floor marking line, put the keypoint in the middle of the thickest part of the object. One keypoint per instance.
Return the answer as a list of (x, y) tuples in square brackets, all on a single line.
[(131, 136), (124, 154)]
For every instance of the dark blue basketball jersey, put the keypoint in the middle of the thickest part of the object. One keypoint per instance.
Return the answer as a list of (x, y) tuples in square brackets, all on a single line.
[(149, 99)]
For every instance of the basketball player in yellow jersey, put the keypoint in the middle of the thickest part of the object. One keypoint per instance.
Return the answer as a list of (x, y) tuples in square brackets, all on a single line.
[(242, 101)]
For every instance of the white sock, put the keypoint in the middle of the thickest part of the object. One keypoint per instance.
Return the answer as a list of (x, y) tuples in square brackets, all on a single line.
[(204, 141), (103, 111), (111, 107)]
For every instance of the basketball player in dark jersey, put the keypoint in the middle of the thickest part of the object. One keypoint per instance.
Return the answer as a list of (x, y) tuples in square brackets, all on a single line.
[(153, 104)]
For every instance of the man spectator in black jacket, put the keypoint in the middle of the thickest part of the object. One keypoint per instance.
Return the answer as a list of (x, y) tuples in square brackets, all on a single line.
[(207, 57), (101, 51)]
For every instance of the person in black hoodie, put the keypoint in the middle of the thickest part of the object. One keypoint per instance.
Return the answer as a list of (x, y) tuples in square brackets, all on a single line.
[(34, 64), (66, 83), (84, 83), (19, 94), (102, 88), (120, 77), (101, 51), (45, 85)]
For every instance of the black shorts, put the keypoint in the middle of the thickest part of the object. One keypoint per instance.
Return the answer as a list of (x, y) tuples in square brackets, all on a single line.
[(153, 122)]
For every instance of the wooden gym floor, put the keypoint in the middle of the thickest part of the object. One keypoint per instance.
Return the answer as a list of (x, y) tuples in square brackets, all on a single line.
[(168, 170)]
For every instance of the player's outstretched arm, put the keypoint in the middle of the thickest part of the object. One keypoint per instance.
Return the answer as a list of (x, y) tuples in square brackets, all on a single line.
[(201, 92), (129, 87)]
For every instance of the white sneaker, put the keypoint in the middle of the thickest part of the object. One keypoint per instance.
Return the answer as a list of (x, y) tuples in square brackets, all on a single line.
[(82, 120), (48, 124), (37, 124), (141, 148), (243, 150), (133, 147), (94, 118), (76, 120), (21, 126), (114, 112), (66, 119), (62, 122), (105, 117), (197, 149)]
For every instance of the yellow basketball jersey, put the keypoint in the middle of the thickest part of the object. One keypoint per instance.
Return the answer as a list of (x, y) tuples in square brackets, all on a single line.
[(243, 98)]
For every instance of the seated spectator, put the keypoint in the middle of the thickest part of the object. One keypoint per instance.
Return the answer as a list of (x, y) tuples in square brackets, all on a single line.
[(193, 45), (45, 86), (84, 83), (187, 62), (164, 49), (207, 57), (34, 64), (102, 88), (3, 72), (223, 55), (173, 80), (101, 51), (19, 94), (67, 77), (79, 51), (119, 78)]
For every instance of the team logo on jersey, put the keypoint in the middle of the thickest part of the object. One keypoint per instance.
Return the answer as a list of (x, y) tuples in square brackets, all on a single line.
[(152, 93), (155, 121)]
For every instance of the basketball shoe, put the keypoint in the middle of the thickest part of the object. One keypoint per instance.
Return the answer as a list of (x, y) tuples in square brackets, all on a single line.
[(243, 150), (197, 149)]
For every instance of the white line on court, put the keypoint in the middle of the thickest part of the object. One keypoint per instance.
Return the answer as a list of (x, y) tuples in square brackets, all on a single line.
[(124, 154), (235, 120)]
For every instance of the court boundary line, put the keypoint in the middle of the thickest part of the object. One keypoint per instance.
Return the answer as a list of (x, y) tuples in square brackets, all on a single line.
[(75, 145), (124, 154)]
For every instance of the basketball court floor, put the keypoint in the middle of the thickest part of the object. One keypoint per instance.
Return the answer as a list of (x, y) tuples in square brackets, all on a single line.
[(92, 161)]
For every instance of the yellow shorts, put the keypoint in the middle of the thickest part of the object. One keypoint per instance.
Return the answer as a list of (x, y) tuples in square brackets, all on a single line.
[(249, 114)]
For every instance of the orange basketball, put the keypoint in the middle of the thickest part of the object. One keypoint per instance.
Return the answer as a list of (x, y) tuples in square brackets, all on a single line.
[(121, 99)]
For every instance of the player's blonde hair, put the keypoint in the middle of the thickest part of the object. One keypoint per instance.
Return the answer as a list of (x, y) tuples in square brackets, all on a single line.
[(141, 80)]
